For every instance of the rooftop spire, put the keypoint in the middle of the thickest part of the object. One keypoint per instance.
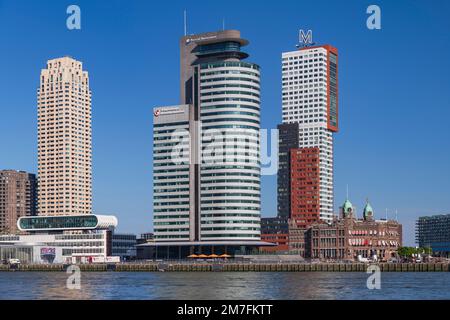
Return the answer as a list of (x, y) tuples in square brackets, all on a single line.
[(185, 23)]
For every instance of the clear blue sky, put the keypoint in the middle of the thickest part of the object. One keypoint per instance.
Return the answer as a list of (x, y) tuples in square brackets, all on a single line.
[(393, 146)]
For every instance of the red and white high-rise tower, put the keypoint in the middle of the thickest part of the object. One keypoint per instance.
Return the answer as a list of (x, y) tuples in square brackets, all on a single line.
[(310, 99)]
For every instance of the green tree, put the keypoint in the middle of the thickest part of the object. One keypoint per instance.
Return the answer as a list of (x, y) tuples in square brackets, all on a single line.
[(425, 250), (406, 252)]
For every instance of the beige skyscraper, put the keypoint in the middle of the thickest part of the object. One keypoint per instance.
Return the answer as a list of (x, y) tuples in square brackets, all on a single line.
[(64, 139)]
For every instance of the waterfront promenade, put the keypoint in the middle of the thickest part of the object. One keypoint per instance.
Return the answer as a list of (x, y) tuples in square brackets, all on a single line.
[(234, 267)]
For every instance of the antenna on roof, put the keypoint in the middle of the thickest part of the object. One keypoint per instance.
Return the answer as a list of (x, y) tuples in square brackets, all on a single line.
[(396, 215), (386, 214), (347, 191), (223, 24), (185, 23)]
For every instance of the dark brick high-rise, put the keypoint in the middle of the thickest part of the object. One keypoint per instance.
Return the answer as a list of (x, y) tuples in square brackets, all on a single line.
[(17, 198)]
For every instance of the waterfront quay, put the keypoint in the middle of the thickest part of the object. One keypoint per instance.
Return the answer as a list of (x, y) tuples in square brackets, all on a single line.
[(234, 267)]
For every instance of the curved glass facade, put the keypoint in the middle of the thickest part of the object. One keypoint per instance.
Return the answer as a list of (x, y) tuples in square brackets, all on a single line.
[(213, 48), (233, 114), (214, 193)]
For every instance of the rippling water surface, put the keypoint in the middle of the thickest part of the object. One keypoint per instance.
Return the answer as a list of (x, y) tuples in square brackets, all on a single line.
[(223, 285)]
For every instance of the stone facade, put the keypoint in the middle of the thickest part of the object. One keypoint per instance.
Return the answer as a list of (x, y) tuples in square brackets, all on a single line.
[(64, 139)]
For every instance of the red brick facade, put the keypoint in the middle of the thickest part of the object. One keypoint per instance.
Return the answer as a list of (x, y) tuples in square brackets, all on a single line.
[(305, 188), (280, 239), (348, 238)]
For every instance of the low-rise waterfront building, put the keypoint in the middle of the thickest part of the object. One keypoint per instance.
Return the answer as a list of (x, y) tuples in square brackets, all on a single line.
[(146, 237), (348, 237), (145, 248), (275, 230), (124, 246), (80, 238), (28, 253), (434, 232), (298, 239)]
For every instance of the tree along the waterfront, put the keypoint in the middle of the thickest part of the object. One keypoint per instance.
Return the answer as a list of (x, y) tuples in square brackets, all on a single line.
[(408, 252)]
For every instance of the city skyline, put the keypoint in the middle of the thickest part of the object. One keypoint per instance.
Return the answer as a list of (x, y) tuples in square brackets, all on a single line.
[(368, 172)]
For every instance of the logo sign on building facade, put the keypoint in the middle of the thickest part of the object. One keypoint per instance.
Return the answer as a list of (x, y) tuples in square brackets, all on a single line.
[(305, 39), (48, 251), (48, 254), (168, 111)]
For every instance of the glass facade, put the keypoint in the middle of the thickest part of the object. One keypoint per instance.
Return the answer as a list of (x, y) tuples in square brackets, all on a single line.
[(123, 246), (230, 110), (287, 140), (434, 232), (58, 222), (67, 243), (332, 117), (171, 147), (24, 254), (228, 46), (215, 194)]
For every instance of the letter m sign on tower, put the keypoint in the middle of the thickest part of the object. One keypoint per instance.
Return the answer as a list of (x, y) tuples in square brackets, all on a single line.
[(305, 39)]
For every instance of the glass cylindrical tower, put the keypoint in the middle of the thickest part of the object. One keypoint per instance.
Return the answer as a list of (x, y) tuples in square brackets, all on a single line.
[(229, 112)]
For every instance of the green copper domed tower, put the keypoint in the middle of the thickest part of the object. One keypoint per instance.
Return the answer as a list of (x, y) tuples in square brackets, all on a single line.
[(347, 209), (368, 211)]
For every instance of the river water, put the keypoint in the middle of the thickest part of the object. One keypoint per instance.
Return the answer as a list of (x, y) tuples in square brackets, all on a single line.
[(223, 285)]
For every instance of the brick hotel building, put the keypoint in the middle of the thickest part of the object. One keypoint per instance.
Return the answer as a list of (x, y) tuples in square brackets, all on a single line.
[(349, 237)]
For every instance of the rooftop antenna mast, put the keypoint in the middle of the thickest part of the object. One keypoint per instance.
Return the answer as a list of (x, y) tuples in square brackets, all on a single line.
[(347, 191), (386, 214), (223, 24), (185, 23)]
